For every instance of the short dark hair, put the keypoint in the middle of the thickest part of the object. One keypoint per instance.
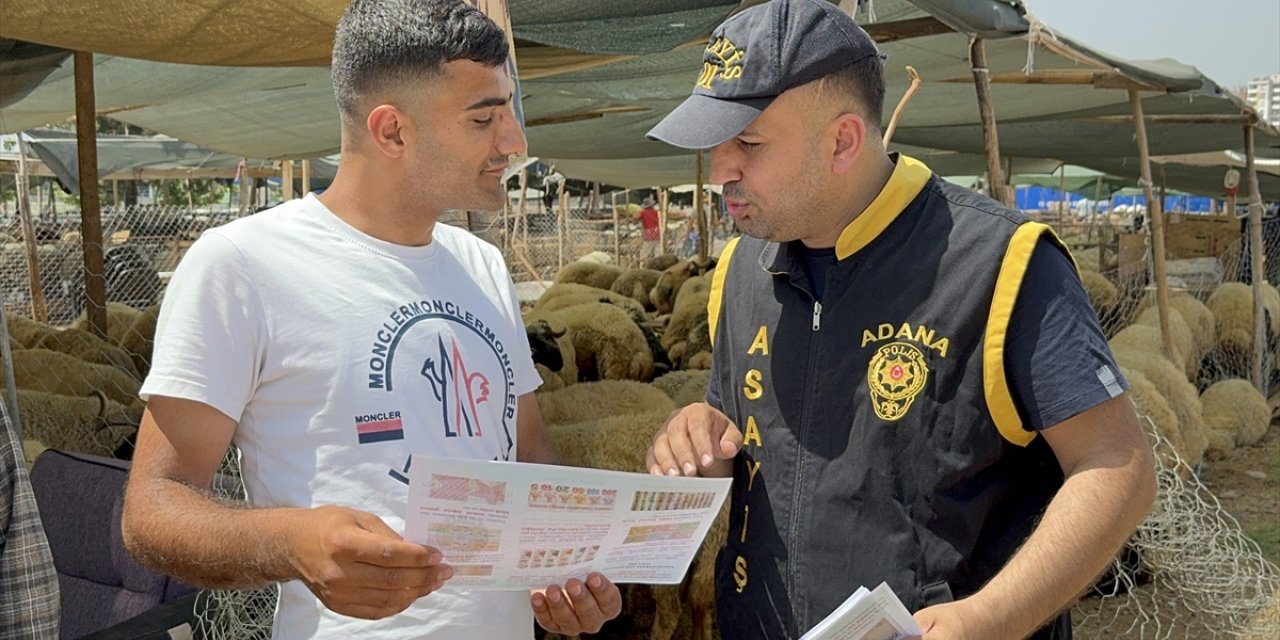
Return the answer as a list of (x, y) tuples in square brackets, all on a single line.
[(864, 82), (380, 42)]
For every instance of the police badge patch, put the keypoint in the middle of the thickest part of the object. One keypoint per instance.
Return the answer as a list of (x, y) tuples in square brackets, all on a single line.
[(896, 375)]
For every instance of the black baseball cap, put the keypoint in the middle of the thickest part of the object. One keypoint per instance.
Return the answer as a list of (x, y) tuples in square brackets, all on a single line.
[(756, 55)]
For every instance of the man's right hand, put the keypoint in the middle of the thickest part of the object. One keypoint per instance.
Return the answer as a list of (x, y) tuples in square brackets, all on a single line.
[(696, 440), (358, 566)]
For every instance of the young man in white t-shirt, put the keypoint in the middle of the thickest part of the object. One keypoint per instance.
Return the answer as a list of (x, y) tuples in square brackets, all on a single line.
[(331, 336)]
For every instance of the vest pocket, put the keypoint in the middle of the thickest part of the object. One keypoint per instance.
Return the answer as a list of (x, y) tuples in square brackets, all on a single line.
[(936, 593)]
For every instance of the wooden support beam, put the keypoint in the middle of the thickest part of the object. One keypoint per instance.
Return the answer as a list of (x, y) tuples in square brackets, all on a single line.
[(95, 284), (35, 281), (306, 177), (1156, 227), (1172, 118), (990, 138), (1256, 267), (286, 180), (617, 228), (582, 115), (1096, 79), (883, 32)]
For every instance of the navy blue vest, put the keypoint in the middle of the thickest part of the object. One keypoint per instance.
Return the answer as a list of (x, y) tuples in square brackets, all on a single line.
[(881, 441)]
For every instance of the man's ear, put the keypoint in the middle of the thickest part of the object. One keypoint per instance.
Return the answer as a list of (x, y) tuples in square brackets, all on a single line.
[(850, 138), (386, 129)]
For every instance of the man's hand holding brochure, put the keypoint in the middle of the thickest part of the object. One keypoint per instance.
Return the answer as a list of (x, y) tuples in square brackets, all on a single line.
[(507, 526)]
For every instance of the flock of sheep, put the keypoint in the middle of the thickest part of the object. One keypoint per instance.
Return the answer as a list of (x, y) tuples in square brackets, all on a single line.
[(76, 391), (1198, 398)]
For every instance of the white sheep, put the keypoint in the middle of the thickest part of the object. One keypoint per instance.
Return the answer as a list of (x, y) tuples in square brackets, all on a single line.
[(684, 387), (88, 347), (53, 372), (589, 273), (596, 400), (1171, 382), (636, 284), (607, 343), (92, 424), (568, 294), (1235, 414)]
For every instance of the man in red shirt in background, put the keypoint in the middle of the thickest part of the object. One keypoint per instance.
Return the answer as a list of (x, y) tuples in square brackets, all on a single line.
[(651, 246)]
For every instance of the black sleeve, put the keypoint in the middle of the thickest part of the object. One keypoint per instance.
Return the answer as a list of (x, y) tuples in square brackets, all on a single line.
[(1057, 359)]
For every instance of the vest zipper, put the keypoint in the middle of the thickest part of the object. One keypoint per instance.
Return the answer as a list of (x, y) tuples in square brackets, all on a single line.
[(793, 537)]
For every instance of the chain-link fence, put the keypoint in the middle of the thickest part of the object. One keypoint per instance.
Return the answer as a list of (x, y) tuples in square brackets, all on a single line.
[(541, 235)]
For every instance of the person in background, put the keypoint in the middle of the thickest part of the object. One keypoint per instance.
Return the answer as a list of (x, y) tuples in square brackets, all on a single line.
[(650, 236)]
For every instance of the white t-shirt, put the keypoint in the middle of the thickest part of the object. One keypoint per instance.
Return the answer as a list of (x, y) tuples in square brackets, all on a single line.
[(339, 355)]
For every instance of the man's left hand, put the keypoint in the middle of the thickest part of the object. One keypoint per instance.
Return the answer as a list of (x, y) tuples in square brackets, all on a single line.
[(580, 607), (957, 620)]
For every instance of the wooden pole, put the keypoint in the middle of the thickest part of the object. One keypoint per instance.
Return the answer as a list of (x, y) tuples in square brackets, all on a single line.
[(191, 196), (665, 199), (698, 211), (1063, 205), (39, 310), (1256, 261), (523, 220), (306, 176), (617, 228), (286, 180), (95, 284), (246, 187), (990, 139), (115, 194), (562, 200), (1155, 228)]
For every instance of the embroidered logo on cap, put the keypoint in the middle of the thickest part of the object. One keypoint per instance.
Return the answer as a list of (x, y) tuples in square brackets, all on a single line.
[(723, 60)]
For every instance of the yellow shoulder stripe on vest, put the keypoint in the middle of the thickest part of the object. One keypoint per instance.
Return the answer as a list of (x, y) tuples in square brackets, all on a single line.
[(908, 178), (717, 287), (995, 384)]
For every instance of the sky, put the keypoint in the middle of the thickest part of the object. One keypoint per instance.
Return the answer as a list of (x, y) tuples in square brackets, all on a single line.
[(1231, 41)]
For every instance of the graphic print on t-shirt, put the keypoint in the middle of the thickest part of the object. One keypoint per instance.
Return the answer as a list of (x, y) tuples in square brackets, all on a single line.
[(452, 377)]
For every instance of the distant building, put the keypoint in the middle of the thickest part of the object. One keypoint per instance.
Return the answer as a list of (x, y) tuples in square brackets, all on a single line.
[(1263, 94)]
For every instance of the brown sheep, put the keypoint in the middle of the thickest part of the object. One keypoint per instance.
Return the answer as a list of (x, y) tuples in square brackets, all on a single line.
[(664, 293), (636, 284)]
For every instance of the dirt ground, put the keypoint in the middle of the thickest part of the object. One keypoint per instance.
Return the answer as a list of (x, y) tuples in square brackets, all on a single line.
[(1248, 487)]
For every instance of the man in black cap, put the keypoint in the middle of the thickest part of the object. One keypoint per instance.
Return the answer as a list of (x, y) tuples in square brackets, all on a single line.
[(909, 384)]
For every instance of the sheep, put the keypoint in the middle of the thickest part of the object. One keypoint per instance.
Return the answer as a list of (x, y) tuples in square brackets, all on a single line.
[(91, 424), (1235, 414), (592, 274), (595, 400), (120, 318), (139, 339), (1197, 316), (1172, 383), (88, 347), (607, 343), (31, 449), (568, 371), (543, 346), (598, 257), (568, 294), (1180, 333), (662, 262), (1232, 307), (636, 284), (692, 308), (25, 331), (1151, 404), (664, 293), (551, 381), (619, 443), (54, 372), (1103, 295), (685, 387), (693, 286)]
